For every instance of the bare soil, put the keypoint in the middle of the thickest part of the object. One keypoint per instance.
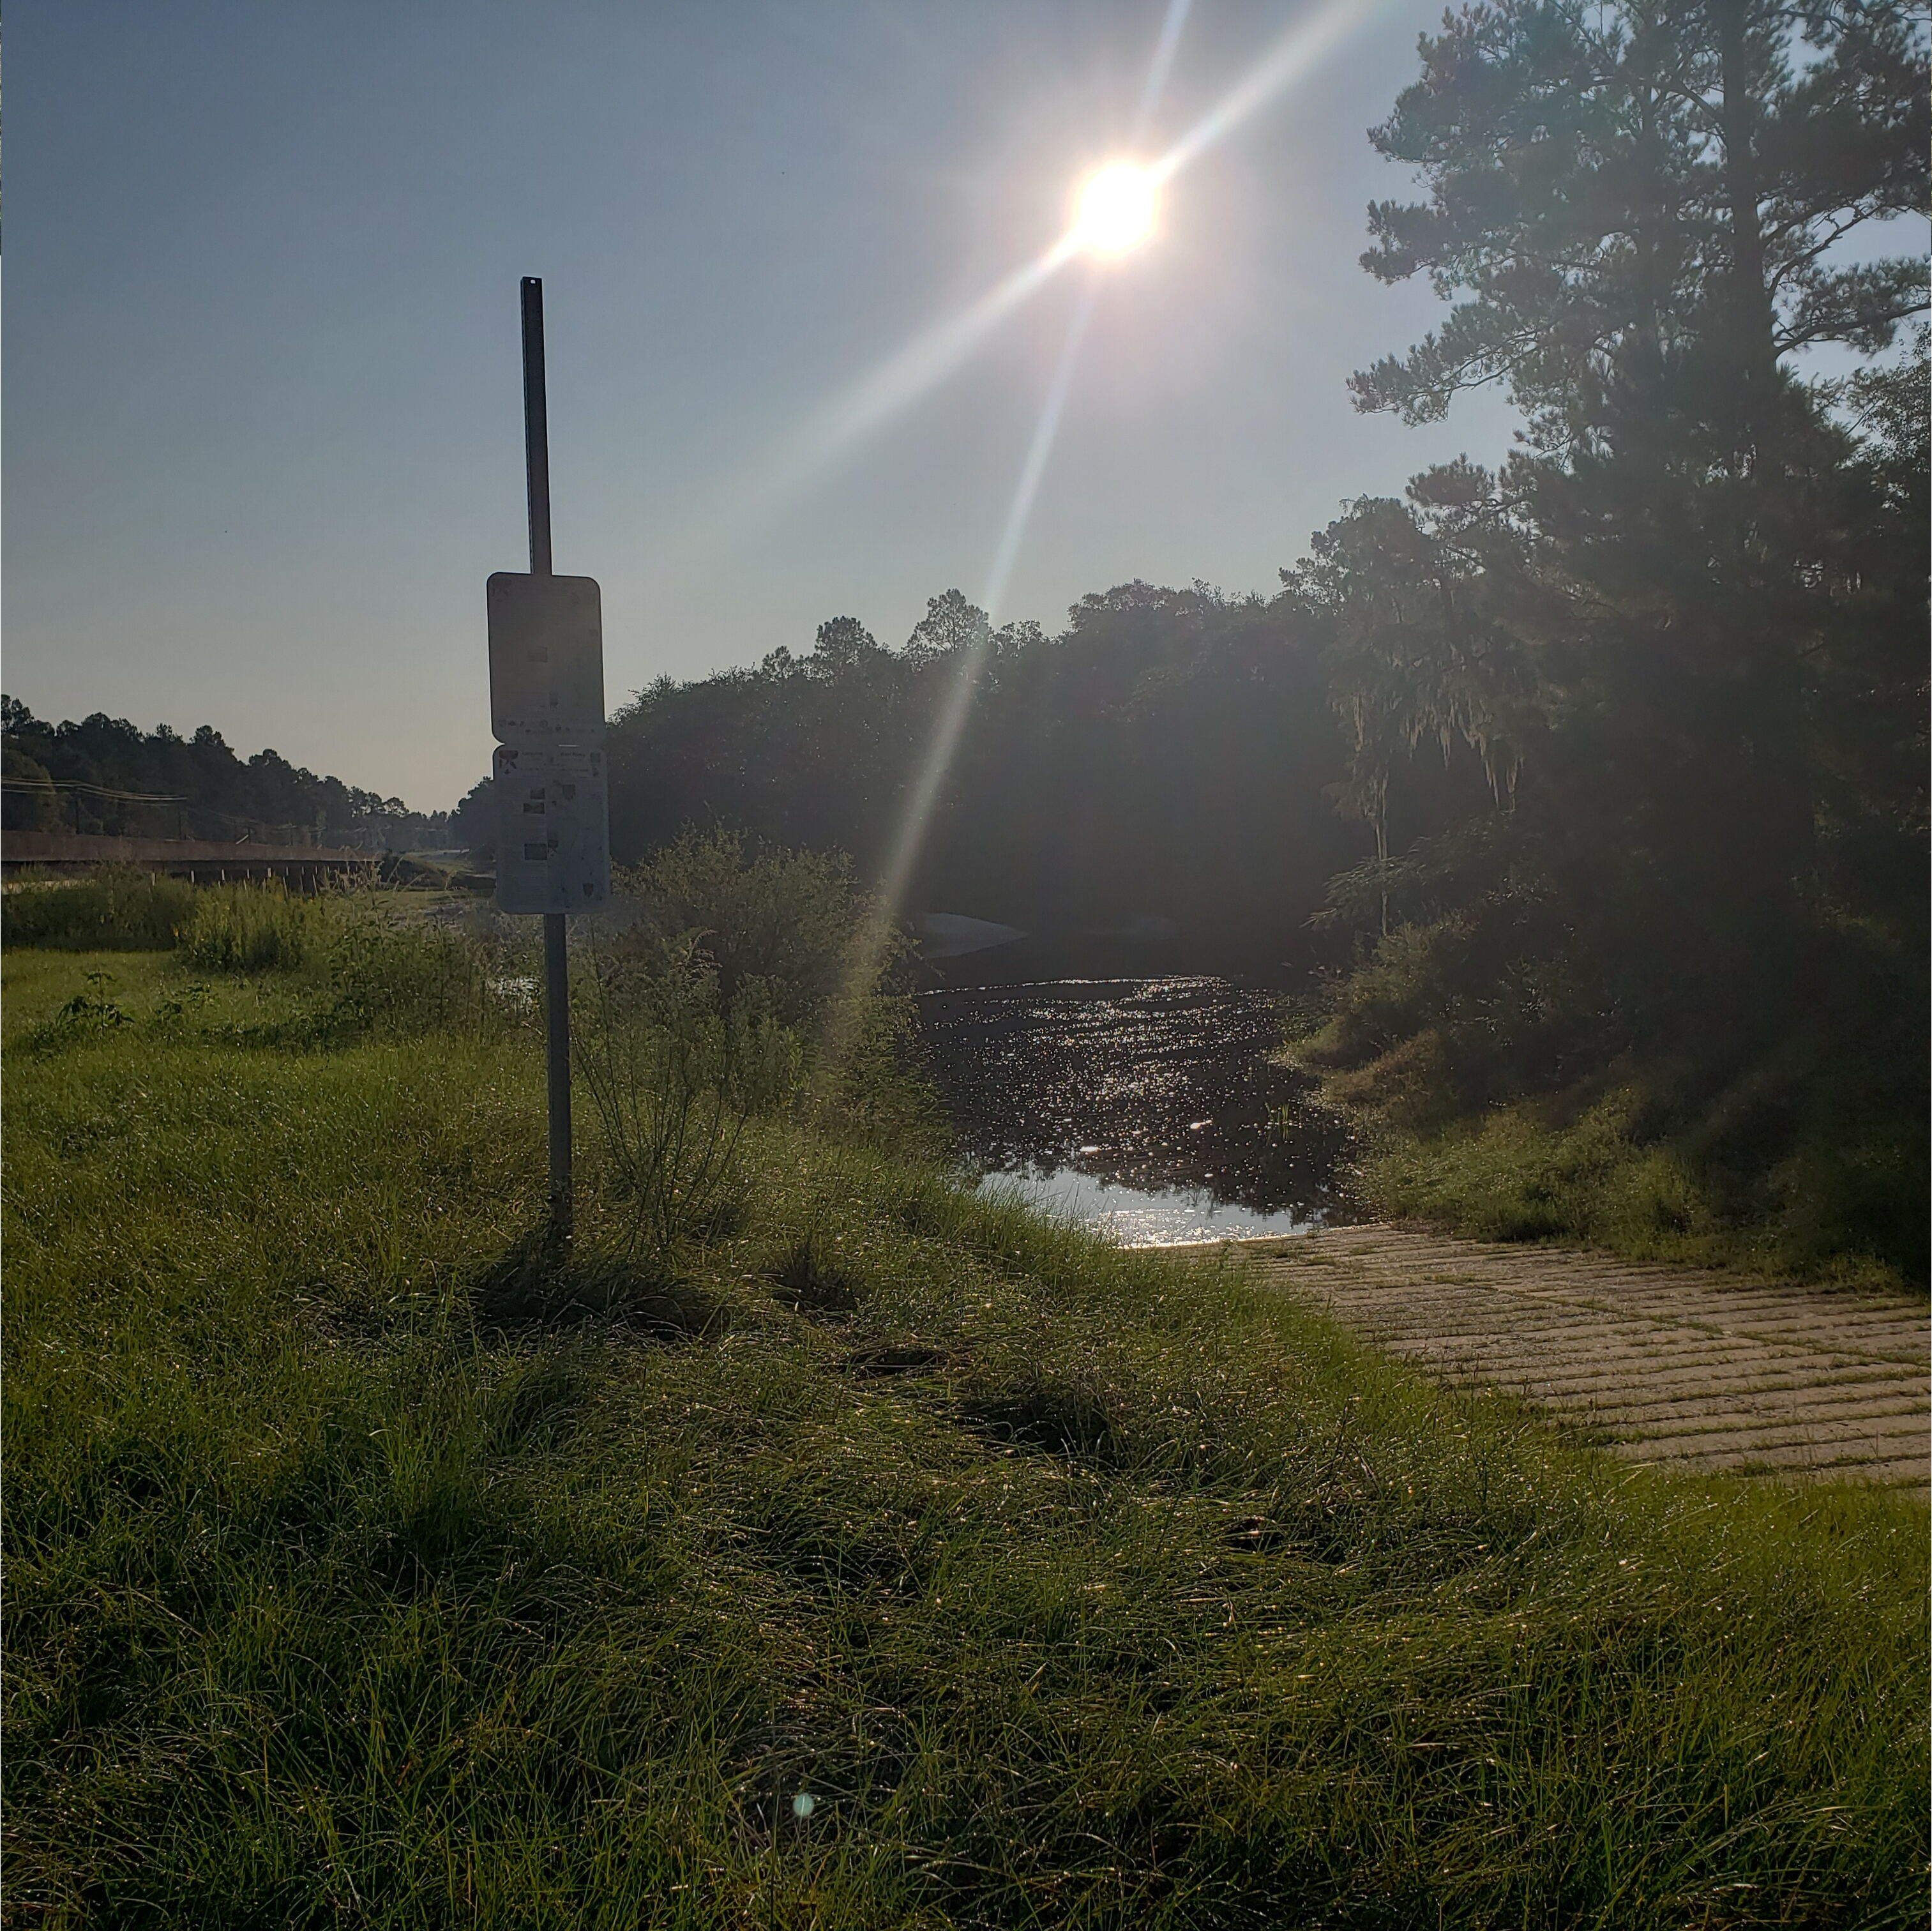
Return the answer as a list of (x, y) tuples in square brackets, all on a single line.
[(1664, 1365)]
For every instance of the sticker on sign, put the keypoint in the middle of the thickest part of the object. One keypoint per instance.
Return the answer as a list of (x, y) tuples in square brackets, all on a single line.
[(546, 659), (553, 829)]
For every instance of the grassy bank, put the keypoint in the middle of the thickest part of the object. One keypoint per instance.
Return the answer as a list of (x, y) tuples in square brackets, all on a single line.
[(1481, 1108), (1588, 1175), (367, 1567)]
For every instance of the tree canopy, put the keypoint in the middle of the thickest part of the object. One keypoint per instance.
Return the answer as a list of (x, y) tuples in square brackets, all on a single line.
[(1163, 757), (104, 774), (1684, 625)]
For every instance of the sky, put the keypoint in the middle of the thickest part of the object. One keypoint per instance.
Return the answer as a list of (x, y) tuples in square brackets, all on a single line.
[(261, 359)]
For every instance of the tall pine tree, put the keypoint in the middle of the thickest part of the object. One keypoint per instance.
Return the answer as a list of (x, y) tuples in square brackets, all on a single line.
[(1690, 605)]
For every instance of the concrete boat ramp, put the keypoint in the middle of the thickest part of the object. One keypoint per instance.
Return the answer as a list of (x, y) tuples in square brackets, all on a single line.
[(1665, 1364)]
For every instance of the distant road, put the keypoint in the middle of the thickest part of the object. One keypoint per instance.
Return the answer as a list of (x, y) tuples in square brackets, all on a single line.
[(1674, 1365)]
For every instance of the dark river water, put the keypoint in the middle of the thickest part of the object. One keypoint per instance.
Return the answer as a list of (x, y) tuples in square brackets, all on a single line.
[(1148, 1108)]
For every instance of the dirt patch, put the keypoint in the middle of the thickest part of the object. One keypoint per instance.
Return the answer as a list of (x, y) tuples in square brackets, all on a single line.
[(1667, 1364)]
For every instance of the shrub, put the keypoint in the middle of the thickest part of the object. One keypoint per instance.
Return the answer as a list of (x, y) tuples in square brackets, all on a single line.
[(404, 979), (255, 928), (1518, 1174), (783, 925), (879, 1093), (675, 1074), (785, 937), (116, 909)]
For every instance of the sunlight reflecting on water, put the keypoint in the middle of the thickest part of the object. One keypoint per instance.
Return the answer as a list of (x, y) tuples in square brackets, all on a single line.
[(1150, 1109), (1137, 1216)]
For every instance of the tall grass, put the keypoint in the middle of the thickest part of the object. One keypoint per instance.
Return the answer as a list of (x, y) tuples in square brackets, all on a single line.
[(675, 1074), (1497, 1110), (391, 978), (1071, 1587), (257, 928), (115, 909)]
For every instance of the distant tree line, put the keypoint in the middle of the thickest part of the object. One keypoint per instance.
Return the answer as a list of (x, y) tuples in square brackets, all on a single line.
[(1157, 767), (105, 775)]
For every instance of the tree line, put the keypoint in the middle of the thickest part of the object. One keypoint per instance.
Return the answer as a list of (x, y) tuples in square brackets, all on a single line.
[(104, 775), (1158, 767)]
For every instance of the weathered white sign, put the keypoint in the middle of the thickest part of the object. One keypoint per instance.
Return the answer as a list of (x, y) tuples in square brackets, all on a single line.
[(546, 659), (553, 829)]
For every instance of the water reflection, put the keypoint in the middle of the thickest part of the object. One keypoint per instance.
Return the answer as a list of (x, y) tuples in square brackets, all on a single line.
[(1146, 1107)]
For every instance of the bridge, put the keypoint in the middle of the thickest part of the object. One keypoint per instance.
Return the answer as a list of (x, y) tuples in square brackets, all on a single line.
[(205, 860)]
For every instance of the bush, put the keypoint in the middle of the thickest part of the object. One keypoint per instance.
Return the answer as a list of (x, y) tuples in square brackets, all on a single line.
[(787, 938), (879, 1093), (1515, 1175), (675, 1074), (117, 909), (405, 979), (1787, 1131), (256, 929), (783, 925)]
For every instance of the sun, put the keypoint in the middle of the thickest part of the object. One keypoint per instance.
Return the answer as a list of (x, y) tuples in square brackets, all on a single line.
[(1115, 208)]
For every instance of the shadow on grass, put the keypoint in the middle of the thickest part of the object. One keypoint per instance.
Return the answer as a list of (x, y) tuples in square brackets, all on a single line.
[(544, 1285), (805, 1285), (1069, 1422), (873, 1363)]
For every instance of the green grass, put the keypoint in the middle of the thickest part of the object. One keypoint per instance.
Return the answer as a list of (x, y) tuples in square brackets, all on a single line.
[(1794, 1145), (254, 928), (1586, 1177), (115, 907), (1076, 1588)]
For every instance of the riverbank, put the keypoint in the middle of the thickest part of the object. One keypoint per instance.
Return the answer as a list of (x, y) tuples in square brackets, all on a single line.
[(1585, 1175), (899, 1559), (1796, 1157)]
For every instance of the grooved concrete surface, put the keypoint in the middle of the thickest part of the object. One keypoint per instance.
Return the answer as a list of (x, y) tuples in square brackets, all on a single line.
[(1670, 1365)]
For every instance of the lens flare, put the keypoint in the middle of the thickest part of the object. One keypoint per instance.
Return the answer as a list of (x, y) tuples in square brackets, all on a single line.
[(1114, 209), (1125, 198), (1315, 34)]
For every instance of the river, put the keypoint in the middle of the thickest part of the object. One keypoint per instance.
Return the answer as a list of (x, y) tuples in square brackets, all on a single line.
[(1148, 1108)]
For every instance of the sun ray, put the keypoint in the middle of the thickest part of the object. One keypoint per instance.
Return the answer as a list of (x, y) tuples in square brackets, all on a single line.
[(722, 518), (1159, 68), (921, 365), (913, 371), (1045, 433), (1290, 59), (955, 705)]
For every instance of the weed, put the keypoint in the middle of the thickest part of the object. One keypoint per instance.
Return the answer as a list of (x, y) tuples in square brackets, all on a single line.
[(85, 1016), (673, 1076), (115, 909)]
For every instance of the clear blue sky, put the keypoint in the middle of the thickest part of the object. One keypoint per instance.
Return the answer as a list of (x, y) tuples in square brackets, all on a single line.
[(261, 349)]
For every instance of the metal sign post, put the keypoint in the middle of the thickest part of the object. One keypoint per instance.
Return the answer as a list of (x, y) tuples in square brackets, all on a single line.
[(546, 712)]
